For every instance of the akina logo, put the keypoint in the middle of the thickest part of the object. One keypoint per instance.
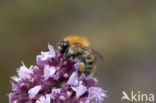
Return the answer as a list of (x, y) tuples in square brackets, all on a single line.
[(137, 97)]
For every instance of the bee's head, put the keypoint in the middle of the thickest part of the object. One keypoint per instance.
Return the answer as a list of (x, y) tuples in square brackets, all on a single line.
[(63, 46)]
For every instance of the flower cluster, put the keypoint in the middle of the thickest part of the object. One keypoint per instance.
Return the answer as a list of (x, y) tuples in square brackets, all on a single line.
[(54, 81)]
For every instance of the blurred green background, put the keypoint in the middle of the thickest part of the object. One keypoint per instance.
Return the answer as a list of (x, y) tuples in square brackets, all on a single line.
[(123, 31)]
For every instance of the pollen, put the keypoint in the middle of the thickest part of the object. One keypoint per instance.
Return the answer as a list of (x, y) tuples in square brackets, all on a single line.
[(75, 39), (81, 66)]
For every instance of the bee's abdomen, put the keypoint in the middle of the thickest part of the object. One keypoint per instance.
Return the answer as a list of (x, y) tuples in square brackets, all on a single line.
[(89, 62)]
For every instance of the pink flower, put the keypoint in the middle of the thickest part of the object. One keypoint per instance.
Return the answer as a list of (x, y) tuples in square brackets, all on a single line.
[(54, 81)]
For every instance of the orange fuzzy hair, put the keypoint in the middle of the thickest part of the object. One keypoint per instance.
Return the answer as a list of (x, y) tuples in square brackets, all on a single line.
[(75, 39)]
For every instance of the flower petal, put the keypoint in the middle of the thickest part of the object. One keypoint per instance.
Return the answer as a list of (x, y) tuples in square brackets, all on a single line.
[(15, 78), (34, 91), (45, 55), (80, 89), (55, 93), (96, 94), (44, 99), (24, 72), (73, 80), (48, 71)]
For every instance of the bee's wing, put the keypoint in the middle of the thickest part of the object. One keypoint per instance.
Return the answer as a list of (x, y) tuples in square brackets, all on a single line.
[(98, 54), (92, 51)]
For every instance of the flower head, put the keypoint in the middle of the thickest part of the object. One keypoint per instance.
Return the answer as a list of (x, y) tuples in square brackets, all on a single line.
[(54, 81)]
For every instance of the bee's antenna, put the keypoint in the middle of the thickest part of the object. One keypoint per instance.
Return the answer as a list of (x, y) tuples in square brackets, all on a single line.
[(53, 42)]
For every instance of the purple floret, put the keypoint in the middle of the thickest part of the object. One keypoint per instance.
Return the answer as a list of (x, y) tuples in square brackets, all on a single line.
[(54, 81)]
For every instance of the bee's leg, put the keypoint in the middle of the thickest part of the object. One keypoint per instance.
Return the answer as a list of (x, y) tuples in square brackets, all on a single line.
[(79, 73), (70, 53), (87, 73), (68, 56)]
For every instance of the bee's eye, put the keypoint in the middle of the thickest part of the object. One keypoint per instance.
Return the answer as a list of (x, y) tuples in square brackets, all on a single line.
[(64, 44)]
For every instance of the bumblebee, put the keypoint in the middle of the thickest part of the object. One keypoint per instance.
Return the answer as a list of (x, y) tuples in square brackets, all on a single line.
[(77, 48)]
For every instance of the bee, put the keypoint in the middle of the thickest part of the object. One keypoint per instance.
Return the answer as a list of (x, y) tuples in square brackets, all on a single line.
[(77, 48)]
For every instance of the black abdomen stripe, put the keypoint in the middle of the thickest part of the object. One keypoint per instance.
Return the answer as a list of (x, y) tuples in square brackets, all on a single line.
[(89, 64)]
